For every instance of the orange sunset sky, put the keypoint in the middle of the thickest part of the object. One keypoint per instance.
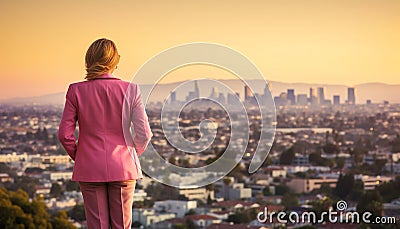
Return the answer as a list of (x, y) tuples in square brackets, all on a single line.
[(348, 42)]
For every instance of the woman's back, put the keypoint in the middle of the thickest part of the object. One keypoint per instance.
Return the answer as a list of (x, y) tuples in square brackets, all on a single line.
[(97, 105)]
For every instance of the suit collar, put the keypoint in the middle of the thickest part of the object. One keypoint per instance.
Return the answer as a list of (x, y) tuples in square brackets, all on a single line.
[(106, 76)]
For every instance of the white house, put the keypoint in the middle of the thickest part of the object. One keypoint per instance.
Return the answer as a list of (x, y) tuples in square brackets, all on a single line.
[(148, 217), (178, 207)]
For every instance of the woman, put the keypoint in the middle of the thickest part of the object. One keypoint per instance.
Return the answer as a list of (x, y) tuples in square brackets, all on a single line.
[(105, 166)]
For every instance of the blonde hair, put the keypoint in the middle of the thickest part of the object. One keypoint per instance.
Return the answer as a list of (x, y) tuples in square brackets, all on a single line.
[(101, 57)]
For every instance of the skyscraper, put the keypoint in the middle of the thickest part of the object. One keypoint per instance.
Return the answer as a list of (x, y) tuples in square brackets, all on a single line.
[(321, 95), (173, 97), (247, 93), (214, 93), (196, 89), (291, 96), (351, 97), (221, 98), (194, 94), (313, 96), (336, 100), (267, 89)]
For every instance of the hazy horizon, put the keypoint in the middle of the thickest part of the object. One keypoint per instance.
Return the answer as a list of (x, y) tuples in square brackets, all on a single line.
[(179, 81), (375, 92)]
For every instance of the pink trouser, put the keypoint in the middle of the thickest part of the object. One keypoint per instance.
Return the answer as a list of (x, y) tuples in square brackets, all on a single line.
[(108, 204)]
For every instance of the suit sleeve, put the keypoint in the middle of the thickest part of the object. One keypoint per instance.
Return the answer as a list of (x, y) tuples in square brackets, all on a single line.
[(68, 124), (140, 122)]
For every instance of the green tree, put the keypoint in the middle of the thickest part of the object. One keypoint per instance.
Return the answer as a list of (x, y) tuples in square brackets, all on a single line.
[(391, 190), (18, 212), (56, 190), (316, 159), (358, 152), (344, 185), (266, 191), (77, 213), (72, 186), (12, 216), (190, 224), (396, 144), (379, 165), (370, 201), (326, 189), (191, 212), (287, 156), (281, 189), (357, 191), (60, 221), (340, 162), (289, 200), (331, 148)]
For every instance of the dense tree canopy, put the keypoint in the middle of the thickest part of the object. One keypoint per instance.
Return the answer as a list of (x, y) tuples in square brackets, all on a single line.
[(17, 211)]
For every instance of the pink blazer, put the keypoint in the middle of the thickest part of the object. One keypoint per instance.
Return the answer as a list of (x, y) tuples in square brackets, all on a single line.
[(102, 153)]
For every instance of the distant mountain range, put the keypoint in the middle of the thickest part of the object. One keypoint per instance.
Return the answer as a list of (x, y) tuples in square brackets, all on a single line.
[(377, 92)]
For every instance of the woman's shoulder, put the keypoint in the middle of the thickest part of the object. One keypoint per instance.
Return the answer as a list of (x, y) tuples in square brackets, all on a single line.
[(77, 84)]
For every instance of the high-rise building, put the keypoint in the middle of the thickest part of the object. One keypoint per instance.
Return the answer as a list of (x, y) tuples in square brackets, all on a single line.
[(173, 97), (291, 96), (351, 96), (221, 98), (214, 93), (196, 89), (194, 94), (313, 97), (247, 93), (336, 100), (267, 89), (321, 95)]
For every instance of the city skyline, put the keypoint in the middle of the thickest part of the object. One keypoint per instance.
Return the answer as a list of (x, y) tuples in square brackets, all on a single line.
[(375, 92), (347, 43), (316, 97)]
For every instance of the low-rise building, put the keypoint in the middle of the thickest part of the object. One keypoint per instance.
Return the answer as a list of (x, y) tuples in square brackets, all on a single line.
[(306, 185), (235, 205), (232, 191), (139, 195), (371, 182), (55, 176), (53, 203), (201, 194), (178, 207), (4, 177), (149, 217)]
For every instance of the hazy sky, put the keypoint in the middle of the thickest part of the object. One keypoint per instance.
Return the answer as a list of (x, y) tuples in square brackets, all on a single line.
[(43, 43)]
